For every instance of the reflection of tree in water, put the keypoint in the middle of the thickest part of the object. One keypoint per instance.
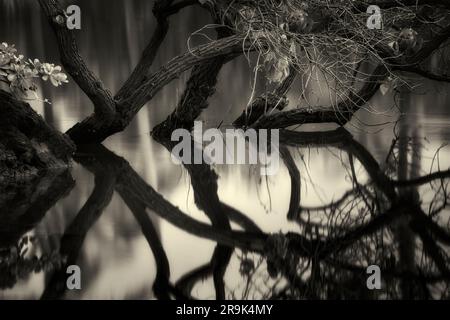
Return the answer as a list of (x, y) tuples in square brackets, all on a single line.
[(16, 263), (22, 206), (383, 221), (386, 221)]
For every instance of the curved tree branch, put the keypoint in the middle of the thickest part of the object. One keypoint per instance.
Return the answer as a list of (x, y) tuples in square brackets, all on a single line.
[(104, 104)]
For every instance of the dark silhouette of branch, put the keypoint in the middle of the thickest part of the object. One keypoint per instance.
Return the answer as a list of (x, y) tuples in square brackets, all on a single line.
[(433, 250), (267, 102), (241, 219), (438, 175), (187, 282), (131, 102), (362, 5), (162, 10), (294, 202), (113, 115), (73, 238), (339, 114)]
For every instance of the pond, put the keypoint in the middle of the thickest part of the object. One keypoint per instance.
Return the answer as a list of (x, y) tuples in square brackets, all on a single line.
[(343, 198)]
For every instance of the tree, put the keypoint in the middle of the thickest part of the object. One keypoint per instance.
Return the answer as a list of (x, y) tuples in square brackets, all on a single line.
[(28, 144), (334, 38), (286, 38)]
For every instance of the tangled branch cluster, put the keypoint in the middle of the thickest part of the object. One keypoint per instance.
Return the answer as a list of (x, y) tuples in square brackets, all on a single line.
[(325, 38)]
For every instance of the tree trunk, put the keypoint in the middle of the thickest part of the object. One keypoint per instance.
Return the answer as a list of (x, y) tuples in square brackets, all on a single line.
[(28, 145)]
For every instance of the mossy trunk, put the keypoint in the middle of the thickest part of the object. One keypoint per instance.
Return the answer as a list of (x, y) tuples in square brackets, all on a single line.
[(28, 145)]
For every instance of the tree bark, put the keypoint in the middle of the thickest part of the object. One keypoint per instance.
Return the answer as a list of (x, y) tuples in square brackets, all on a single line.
[(28, 145)]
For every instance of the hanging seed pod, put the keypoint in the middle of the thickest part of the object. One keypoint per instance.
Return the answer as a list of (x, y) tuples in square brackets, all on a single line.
[(409, 41), (299, 21)]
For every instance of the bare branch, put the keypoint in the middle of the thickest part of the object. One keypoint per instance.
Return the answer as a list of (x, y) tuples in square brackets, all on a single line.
[(104, 105), (162, 10), (340, 114)]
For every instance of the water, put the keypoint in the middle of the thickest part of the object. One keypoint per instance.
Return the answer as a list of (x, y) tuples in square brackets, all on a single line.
[(121, 261)]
